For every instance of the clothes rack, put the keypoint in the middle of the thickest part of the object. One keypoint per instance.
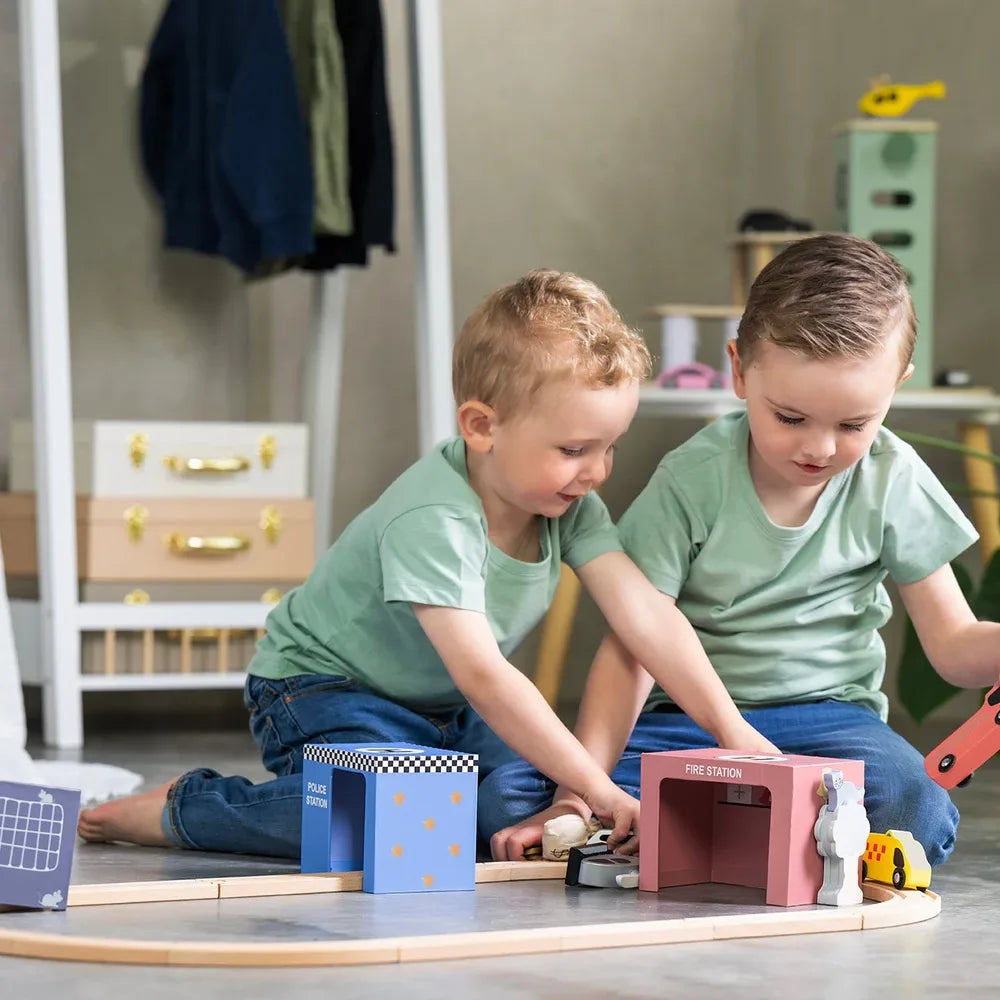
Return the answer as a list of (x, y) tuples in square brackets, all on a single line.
[(54, 624)]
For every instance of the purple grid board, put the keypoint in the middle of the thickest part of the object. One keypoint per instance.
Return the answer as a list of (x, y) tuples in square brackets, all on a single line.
[(30, 834), (37, 839)]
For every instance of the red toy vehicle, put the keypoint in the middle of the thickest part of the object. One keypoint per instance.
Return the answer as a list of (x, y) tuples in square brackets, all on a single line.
[(952, 762)]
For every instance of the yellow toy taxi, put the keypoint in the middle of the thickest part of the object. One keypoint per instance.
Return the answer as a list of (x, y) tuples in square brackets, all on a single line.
[(896, 858)]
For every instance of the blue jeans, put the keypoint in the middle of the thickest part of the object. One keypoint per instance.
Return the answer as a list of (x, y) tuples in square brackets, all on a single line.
[(898, 793), (208, 812)]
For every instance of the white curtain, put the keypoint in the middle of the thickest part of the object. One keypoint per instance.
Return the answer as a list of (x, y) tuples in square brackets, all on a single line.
[(96, 782)]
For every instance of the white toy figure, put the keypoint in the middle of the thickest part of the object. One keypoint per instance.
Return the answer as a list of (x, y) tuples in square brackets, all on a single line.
[(841, 833), (564, 832)]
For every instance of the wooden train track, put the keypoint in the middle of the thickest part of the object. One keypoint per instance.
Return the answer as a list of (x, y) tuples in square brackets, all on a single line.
[(886, 907)]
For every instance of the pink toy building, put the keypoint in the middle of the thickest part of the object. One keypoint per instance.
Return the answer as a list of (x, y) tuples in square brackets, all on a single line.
[(743, 819)]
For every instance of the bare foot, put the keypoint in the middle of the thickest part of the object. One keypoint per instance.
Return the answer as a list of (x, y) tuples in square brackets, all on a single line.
[(134, 820)]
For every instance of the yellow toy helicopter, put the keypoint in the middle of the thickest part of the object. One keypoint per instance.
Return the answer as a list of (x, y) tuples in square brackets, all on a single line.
[(889, 100)]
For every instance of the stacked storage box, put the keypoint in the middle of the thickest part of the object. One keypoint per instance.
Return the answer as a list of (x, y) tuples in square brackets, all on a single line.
[(172, 512)]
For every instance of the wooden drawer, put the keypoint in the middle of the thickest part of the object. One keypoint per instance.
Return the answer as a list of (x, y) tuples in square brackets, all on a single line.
[(152, 539), (117, 458)]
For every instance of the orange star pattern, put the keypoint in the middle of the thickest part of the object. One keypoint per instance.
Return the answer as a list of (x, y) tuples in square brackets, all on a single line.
[(456, 797), (397, 851), (398, 798), (428, 824), (454, 849), (428, 880)]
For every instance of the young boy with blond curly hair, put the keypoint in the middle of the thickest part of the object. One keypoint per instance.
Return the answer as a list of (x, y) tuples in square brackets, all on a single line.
[(401, 633), (772, 531)]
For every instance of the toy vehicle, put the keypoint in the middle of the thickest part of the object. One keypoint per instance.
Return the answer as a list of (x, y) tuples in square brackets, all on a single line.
[(954, 759), (693, 375), (897, 859), (889, 100), (596, 865)]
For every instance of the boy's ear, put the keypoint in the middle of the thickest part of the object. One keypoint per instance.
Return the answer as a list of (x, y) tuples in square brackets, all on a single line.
[(906, 374), (736, 367), (475, 424)]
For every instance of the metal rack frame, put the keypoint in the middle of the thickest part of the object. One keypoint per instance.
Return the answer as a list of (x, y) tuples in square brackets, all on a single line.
[(58, 619)]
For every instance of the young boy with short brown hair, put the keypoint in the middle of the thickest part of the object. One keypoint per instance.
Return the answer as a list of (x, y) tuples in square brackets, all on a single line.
[(772, 531)]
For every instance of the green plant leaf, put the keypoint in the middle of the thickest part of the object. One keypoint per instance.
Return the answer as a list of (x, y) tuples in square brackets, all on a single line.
[(946, 445), (921, 688)]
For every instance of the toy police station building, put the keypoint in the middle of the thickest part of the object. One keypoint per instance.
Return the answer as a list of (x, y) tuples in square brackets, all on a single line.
[(404, 815)]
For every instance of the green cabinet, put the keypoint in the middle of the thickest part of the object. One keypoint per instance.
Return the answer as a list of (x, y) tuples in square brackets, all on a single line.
[(885, 192)]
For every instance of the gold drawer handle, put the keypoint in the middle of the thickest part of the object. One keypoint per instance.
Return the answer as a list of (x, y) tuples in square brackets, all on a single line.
[(206, 466), (200, 545)]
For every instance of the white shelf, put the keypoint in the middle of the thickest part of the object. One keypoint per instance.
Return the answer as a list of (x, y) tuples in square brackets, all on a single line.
[(981, 405), (93, 617), (161, 682)]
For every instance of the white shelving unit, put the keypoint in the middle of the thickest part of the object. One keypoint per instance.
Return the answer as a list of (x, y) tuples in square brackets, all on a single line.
[(49, 630)]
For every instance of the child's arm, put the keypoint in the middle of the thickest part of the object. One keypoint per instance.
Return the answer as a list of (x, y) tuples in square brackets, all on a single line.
[(657, 634), (616, 689), (964, 651), (513, 708)]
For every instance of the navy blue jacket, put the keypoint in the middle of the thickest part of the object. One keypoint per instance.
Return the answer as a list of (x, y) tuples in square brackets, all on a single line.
[(223, 139)]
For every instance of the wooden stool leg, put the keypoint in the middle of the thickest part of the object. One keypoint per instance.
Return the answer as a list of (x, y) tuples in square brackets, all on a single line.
[(762, 254), (555, 636), (109, 651), (738, 284), (981, 476)]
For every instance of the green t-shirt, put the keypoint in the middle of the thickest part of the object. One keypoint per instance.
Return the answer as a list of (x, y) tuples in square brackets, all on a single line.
[(422, 542), (790, 614)]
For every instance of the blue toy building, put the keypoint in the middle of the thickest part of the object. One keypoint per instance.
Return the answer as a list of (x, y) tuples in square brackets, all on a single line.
[(404, 815), (37, 837)]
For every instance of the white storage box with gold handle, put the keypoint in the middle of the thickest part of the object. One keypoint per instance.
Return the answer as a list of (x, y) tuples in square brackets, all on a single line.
[(124, 458)]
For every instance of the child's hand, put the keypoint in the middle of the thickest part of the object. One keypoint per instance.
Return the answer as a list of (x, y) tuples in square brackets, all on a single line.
[(619, 812), (743, 737), (510, 843)]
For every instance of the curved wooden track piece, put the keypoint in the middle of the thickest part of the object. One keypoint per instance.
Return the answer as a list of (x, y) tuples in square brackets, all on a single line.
[(886, 908)]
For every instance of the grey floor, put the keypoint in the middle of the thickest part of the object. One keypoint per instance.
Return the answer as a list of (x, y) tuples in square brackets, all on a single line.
[(953, 955)]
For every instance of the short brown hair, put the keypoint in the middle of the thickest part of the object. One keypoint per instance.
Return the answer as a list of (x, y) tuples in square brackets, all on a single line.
[(829, 296), (546, 326)]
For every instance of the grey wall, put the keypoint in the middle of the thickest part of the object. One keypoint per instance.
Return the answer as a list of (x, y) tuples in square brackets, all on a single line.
[(618, 139)]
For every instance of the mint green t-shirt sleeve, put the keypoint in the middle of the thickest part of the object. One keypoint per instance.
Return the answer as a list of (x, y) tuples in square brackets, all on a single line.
[(586, 531), (924, 527), (435, 555), (658, 533)]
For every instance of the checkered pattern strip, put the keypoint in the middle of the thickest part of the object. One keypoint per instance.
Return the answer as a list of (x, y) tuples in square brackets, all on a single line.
[(394, 762)]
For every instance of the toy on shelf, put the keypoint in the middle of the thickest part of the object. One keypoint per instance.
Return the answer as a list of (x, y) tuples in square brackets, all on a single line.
[(952, 762), (693, 375), (679, 335), (742, 819), (886, 99), (37, 838), (404, 815), (771, 220), (896, 858), (841, 833)]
